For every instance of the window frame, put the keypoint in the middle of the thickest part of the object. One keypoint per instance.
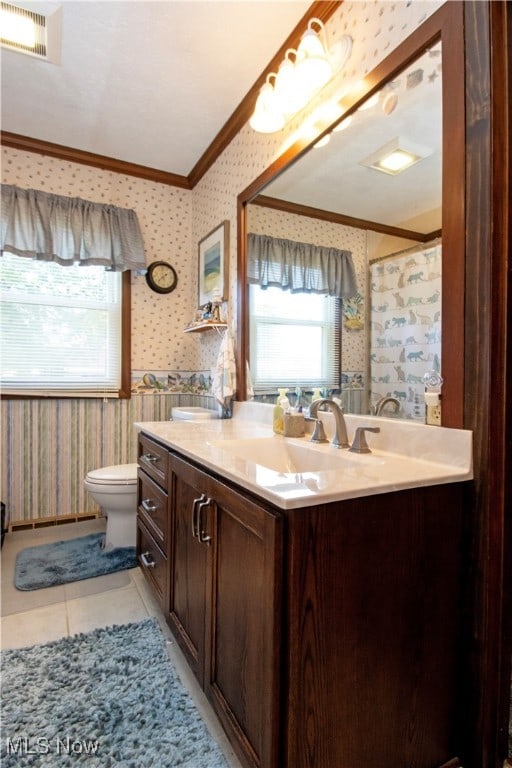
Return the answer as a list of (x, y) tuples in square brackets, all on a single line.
[(333, 365), (124, 392)]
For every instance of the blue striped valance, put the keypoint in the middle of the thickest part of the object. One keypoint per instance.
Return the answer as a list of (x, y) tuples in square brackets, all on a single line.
[(51, 227), (300, 267)]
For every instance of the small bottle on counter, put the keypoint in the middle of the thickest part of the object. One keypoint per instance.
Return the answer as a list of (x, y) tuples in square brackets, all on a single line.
[(282, 405)]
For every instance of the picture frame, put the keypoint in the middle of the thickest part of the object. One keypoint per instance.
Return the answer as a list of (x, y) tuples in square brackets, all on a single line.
[(213, 255)]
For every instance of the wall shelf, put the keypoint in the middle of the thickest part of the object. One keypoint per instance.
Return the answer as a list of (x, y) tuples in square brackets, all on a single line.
[(205, 327)]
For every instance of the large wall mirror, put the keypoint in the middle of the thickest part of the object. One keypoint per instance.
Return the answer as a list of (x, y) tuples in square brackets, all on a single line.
[(405, 231)]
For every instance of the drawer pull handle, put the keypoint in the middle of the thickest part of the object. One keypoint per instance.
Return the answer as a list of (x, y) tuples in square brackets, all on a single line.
[(149, 457), (148, 506), (146, 561), (201, 535), (195, 518)]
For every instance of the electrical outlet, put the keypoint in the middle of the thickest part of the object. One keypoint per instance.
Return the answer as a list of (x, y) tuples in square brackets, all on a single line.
[(434, 415)]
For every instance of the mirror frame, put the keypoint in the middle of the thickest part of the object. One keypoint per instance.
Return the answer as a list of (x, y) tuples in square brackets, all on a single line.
[(446, 25)]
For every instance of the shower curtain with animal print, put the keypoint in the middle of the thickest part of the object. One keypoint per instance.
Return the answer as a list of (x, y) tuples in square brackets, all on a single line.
[(405, 290)]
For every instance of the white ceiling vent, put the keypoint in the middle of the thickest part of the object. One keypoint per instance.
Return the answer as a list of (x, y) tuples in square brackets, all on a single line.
[(34, 30)]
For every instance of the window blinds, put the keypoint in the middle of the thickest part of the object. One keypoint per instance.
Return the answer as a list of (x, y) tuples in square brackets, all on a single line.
[(60, 328)]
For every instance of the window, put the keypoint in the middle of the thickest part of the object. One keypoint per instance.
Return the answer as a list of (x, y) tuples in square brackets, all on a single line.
[(283, 323), (61, 328)]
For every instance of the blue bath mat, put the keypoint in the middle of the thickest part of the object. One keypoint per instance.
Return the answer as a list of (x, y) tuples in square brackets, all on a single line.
[(108, 698), (73, 560)]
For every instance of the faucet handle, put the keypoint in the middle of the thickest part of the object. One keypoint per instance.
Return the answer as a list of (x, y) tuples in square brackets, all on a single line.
[(360, 445)]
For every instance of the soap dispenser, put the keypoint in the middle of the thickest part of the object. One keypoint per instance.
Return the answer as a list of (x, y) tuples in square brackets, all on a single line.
[(282, 405)]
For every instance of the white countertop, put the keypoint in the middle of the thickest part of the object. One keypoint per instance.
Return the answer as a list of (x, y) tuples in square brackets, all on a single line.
[(403, 455)]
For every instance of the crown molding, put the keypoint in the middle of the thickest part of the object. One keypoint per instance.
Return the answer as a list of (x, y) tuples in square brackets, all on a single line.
[(16, 141), (340, 218)]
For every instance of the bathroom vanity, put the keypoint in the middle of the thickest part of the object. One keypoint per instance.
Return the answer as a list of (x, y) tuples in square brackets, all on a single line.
[(324, 632)]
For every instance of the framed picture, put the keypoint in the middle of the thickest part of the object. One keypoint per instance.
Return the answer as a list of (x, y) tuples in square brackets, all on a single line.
[(213, 264)]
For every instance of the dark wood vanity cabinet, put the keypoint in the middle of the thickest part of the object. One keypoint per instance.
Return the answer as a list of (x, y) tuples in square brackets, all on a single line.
[(326, 636), (374, 623), (225, 595)]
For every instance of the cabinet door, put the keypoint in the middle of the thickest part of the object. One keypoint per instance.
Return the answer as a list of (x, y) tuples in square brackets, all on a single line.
[(244, 623), (188, 562)]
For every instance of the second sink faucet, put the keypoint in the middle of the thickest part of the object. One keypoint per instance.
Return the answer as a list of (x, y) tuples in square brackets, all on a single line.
[(381, 404), (340, 439)]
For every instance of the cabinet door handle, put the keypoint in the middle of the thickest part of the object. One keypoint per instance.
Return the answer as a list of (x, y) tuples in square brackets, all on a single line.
[(144, 556), (150, 457), (195, 519), (201, 535), (148, 506)]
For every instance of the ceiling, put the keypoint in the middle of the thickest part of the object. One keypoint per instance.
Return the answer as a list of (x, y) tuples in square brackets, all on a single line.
[(153, 83), (145, 82)]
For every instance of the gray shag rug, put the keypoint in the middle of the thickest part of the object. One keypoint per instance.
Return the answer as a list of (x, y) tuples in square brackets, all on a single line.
[(106, 698), (73, 560)]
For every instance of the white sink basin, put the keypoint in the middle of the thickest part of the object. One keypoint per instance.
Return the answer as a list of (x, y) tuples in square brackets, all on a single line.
[(281, 455), (292, 472)]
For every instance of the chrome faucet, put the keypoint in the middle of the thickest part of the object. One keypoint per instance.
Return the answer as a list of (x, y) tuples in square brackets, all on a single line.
[(379, 406), (340, 439)]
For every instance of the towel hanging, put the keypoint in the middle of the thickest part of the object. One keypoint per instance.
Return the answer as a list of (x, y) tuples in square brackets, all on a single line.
[(224, 374)]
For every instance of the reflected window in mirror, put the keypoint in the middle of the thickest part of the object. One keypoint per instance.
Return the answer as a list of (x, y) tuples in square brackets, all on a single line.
[(295, 340), (295, 291)]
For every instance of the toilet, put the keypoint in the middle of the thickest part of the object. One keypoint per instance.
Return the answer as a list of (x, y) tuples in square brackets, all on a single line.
[(192, 413), (115, 490)]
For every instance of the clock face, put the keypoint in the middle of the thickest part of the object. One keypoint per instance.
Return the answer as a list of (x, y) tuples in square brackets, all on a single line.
[(161, 277)]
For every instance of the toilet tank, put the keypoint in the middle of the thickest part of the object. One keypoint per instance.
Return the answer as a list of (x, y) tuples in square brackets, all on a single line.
[(192, 413)]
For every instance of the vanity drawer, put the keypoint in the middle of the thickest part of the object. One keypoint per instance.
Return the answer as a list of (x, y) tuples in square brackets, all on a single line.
[(152, 560), (153, 508), (154, 459)]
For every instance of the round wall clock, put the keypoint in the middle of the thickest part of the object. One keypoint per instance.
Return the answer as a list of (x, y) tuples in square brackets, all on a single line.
[(161, 277)]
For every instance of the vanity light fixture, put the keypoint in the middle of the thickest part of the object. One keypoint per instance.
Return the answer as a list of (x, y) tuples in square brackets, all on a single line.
[(301, 74), (396, 156), (34, 30)]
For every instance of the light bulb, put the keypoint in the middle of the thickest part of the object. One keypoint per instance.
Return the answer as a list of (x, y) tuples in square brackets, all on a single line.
[(310, 45), (312, 67), (266, 118), (313, 72), (290, 97)]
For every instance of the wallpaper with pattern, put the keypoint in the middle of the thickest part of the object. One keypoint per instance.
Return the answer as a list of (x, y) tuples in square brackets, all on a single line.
[(405, 326), (37, 462)]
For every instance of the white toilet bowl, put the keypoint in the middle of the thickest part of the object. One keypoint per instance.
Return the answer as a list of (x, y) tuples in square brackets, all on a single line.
[(115, 490)]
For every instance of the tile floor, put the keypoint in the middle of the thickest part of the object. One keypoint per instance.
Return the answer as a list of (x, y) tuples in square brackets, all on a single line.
[(42, 615)]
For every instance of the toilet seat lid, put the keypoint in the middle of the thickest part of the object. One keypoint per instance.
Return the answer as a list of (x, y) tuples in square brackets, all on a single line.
[(119, 474)]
